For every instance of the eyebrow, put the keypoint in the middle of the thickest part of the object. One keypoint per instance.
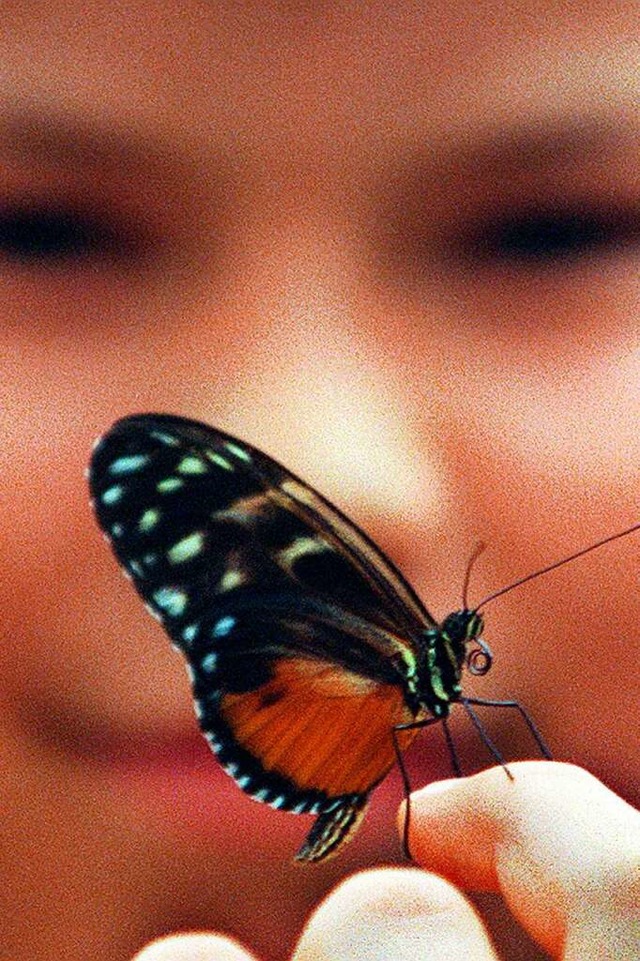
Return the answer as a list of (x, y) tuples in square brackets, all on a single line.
[(60, 138), (542, 144), (493, 159)]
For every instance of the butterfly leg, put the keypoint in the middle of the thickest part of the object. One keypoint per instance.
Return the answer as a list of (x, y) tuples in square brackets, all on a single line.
[(405, 777), (453, 754), (477, 723), (524, 714)]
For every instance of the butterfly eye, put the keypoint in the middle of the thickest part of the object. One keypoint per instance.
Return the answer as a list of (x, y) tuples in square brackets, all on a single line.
[(479, 659)]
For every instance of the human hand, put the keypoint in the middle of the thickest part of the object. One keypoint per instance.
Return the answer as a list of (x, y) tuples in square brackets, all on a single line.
[(559, 847)]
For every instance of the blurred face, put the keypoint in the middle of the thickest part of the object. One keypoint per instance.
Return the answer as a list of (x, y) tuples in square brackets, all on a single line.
[(398, 250)]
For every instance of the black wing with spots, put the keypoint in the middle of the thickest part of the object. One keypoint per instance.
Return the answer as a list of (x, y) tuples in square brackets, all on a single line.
[(196, 516), (292, 622)]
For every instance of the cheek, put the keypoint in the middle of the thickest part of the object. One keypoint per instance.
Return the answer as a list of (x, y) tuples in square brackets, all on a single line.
[(567, 652), (545, 433), (577, 429), (544, 460), (75, 638)]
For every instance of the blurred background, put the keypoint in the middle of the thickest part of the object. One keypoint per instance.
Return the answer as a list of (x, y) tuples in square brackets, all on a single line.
[(396, 250)]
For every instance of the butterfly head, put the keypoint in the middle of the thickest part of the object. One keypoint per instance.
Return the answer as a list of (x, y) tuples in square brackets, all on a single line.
[(462, 631)]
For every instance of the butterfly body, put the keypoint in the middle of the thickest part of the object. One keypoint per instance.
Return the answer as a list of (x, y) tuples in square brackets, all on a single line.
[(312, 661)]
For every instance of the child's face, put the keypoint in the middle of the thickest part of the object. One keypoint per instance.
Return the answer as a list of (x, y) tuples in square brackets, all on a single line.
[(397, 248)]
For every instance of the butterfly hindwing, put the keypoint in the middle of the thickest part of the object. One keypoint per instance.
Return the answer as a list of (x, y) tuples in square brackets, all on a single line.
[(323, 720), (332, 828), (296, 629), (295, 729)]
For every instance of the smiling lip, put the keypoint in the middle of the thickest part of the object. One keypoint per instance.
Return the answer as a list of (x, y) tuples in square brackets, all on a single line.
[(182, 756), (150, 755), (170, 753), (173, 785), (171, 780)]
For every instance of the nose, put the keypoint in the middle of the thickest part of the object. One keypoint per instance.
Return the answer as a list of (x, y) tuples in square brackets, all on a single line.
[(317, 389)]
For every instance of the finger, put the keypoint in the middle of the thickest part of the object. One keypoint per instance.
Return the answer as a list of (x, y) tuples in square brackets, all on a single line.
[(194, 947), (403, 914), (562, 849)]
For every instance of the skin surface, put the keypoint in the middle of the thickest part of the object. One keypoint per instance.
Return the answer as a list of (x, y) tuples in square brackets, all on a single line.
[(398, 250), (561, 848)]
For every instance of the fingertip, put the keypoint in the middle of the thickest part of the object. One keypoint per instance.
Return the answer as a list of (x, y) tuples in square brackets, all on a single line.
[(543, 807), (389, 892), (443, 819), (393, 912), (551, 841), (194, 947)]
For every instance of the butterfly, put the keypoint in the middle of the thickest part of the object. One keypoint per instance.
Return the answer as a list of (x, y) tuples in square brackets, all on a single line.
[(312, 660)]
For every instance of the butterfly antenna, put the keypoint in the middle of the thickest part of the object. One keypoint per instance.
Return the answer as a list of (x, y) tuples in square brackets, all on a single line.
[(477, 551), (552, 567)]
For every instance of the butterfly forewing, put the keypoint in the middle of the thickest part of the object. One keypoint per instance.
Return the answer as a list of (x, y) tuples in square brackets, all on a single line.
[(297, 630), (194, 514)]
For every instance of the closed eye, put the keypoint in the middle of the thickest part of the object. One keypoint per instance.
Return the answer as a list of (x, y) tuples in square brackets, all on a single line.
[(58, 234), (548, 236)]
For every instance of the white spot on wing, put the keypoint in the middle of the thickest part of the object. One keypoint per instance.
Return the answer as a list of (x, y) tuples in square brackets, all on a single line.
[(112, 494), (148, 520), (219, 460), (128, 464), (190, 464), (215, 742), (169, 484), (187, 548), (302, 547), (238, 451), (222, 627), (190, 632), (229, 580), (173, 600), (167, 439), (209, 662), (153, 612)]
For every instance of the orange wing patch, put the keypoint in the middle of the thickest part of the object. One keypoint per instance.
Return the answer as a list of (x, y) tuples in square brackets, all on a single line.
[(320, 725)]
